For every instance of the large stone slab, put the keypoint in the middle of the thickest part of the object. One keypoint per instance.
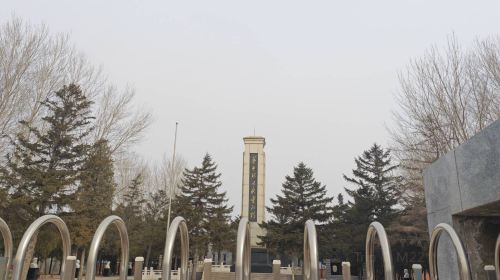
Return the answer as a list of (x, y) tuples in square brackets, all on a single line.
[(441, 186), (462, 189), (478, 168)]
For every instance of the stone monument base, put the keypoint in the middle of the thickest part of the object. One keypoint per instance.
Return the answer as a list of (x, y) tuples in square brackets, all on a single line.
[(262, 261)]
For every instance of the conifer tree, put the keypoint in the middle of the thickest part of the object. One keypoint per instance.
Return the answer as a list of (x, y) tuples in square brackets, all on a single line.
[(94, 197), (341, 229), (302, 198), (373, 199), (204, 207), (341, 207), (131, 211), (155, 223), (42, 172), (221, 236), (376, 193)]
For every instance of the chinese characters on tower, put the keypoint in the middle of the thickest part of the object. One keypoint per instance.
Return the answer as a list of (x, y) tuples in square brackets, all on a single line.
[(252, 206)]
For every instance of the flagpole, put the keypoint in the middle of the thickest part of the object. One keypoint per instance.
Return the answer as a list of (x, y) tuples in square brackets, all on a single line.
[(172, 184)]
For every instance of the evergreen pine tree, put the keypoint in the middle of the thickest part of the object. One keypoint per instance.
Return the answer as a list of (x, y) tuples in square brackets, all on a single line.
[(376, 193), (41, 174), (373, 199), (303, 198), (339, 210), (131, 211), (204, 207), (94, 197), (221, 236), (155, 223), (341, 230)]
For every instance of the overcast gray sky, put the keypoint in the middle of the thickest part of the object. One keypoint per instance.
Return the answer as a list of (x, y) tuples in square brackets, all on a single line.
[(316, 78)]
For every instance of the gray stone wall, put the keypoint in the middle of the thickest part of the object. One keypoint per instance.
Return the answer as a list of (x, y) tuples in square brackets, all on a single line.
[(462, 188)]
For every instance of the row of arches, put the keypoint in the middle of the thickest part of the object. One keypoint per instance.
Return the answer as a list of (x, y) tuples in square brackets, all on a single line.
[(243, 249)]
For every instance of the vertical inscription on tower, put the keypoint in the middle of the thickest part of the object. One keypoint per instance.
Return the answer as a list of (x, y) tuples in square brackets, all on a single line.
[(252, 184)]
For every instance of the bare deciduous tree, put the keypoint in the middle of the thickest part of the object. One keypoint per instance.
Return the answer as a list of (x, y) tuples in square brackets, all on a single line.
[(164, 180), (35, 63), (158, 180), (445, 97), (126, 167), (166, 176), (117, 121)]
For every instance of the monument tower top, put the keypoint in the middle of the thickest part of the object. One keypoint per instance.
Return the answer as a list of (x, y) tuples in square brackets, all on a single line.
[(255, 140)]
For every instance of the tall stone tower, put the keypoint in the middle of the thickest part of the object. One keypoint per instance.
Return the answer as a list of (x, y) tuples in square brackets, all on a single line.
[(254, 186)]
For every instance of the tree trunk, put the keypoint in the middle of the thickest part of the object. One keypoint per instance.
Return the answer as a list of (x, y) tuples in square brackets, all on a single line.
[(175, 261), (195, 265), (82, 263), (42, 266), (148, 254), (50, 267)]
